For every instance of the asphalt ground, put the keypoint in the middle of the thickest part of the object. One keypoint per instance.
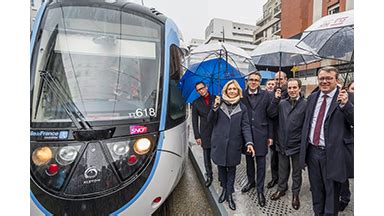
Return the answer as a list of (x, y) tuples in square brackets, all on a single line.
[(189, 197)]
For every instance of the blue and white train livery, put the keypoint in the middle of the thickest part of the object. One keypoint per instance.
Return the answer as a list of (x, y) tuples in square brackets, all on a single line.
[(108, 123)]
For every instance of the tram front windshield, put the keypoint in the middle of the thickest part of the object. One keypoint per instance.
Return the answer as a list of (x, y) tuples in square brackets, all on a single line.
[(105, 62)]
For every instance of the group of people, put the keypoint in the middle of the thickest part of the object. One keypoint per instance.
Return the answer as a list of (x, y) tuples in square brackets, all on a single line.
[(316, 133)]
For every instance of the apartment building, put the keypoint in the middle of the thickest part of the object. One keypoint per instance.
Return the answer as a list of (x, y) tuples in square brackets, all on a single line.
[(269, 26)]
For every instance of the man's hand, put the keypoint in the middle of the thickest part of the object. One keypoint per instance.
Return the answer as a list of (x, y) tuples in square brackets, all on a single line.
[(269, 142), (217, 102), (342, 98), (251, 150), (278, 93), (198, 141)]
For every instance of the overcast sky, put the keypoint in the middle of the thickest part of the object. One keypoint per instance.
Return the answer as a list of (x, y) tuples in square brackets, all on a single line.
[(193, 16)]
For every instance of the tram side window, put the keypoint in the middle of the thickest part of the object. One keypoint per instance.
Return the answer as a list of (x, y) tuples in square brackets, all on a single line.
[(176, 103)]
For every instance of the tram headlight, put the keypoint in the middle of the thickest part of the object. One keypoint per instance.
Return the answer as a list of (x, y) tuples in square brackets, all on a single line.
[(120, 148), (131, 154), (41, 155), (51, 162), (142, 146), (67, 154)]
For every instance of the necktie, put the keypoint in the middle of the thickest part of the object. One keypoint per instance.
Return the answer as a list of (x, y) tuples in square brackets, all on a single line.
[(319, 121)]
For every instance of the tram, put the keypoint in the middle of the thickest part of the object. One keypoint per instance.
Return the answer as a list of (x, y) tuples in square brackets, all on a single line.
[(108, 125)]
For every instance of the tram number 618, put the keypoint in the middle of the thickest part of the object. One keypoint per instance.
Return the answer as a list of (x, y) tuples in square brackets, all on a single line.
[(146, 112)]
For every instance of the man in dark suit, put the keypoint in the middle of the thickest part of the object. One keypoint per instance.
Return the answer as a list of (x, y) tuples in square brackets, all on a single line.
[(290, 114), (327, 141), (257, 101), (280, 83), (202, 129)]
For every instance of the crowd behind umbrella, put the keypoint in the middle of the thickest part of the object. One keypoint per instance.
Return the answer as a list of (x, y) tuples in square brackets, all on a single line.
[(329, 38)]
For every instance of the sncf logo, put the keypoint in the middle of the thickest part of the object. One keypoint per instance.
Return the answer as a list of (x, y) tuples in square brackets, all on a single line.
[(136, 129)]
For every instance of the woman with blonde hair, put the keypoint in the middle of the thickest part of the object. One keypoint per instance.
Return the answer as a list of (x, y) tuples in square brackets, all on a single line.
[(231, 130)]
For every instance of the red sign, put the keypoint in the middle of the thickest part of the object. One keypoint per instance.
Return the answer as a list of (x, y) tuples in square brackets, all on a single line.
[(138, 129)]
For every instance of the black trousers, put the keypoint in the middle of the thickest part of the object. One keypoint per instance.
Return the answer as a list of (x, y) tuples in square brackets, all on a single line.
[(284, 171), (227, 178), (325, 192), (260, 163), (274, 163), (345, 193), (207, 162)]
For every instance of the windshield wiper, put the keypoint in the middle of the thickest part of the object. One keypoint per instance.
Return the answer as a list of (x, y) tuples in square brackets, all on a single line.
[(69, 106), (85, 131), (46, 59)]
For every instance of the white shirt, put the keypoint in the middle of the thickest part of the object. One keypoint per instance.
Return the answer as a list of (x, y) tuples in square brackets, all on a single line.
[(316, 113), (251, 93)]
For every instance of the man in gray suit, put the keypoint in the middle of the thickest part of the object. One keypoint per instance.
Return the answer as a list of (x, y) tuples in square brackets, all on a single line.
[(327, 141)]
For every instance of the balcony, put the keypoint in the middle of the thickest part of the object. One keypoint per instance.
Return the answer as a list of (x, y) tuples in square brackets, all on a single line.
[(277, 12), (276, 31), (259, 40), (262, 20)]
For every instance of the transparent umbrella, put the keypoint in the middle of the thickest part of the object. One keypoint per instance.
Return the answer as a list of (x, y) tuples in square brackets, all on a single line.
[(281, 53), (231, 55), (234, 55), (331, 37)]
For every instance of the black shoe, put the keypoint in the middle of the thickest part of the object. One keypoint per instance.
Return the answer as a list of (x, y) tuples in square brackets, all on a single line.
[(277, 195), (261, 199), (295, 202), (272, 183), (231, 203), (223, 196), (208, 181), (248, 187), (342, 205)]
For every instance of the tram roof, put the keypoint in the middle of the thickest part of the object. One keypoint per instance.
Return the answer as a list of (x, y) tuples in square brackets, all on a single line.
[(114, 4)]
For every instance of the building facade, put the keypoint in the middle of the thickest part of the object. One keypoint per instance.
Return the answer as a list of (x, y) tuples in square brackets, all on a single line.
[(296, 16), (269, 26), (238, 34), (221, 30)]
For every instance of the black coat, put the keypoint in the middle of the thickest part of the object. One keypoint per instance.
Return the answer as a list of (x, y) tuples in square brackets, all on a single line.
[(261, 124), (230, 133), (338, 134), (275, 121), (202, 129), (290, 124)]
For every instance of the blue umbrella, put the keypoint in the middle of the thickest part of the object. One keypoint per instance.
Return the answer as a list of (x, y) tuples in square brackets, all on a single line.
[(214, 73), (266, 75)]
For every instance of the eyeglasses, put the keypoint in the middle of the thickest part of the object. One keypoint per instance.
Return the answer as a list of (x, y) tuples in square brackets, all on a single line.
[(279, 78), (325, 78), (253, 80), (200, 88)]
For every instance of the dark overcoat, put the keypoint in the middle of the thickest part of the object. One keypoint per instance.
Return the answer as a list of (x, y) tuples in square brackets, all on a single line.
[(202, 128), (290, 125), (230, 133), (275, 121), (261, 124), (338, 135)]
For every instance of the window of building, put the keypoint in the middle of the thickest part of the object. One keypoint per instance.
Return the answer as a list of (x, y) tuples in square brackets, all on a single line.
[(334, 9)]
